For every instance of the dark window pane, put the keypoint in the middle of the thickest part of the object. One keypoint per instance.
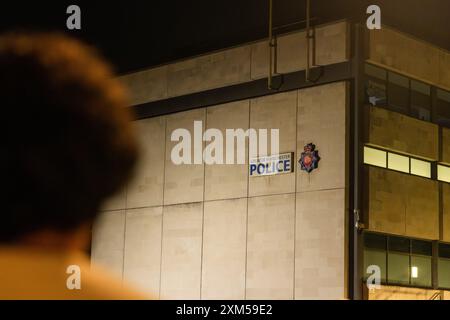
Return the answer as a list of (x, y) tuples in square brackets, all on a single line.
[(375, 258), (444, 250), (375, 93), (398, 93), (398, 268), (444, 273), (375, 72), (374, 241), (399, 244), (421, 247), (420, 100), (443, 107)]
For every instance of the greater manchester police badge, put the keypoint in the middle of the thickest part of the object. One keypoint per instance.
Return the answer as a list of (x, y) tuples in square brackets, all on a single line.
[(309, 159)]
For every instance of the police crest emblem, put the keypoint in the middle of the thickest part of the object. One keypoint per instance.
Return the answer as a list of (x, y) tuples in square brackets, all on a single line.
[(309, 159)]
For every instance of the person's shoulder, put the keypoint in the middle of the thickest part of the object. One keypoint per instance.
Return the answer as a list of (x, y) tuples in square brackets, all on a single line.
[(100, 284), (38, 274)]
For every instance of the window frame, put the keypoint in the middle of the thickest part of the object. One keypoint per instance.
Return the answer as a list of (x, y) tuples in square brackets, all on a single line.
[(441, 165), (433, 97), (432, 164), (410, 256)]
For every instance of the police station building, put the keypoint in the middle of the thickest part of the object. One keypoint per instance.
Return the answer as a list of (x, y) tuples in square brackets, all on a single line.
[(359, 185)]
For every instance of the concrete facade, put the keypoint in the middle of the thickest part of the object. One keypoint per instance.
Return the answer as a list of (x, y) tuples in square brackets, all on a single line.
[(211, 232), (217, 233), (400, 133), (142, 250), (399, 203), (224, 249), (222, 235), (236, 65), (403, 205), (410, 56), (446, 212)]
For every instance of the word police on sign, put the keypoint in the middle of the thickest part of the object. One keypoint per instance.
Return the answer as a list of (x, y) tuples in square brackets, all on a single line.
[(271, 165)]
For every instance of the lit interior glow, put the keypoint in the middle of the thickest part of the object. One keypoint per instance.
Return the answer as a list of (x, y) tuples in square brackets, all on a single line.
[(398, 162), (443, 173), (375, 157), (414, 272), (421, 168)]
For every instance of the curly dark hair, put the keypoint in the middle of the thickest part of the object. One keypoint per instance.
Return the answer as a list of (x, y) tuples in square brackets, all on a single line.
[(67, 141)]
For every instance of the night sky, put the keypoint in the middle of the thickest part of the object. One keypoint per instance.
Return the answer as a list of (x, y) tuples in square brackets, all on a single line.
[(135, 35)]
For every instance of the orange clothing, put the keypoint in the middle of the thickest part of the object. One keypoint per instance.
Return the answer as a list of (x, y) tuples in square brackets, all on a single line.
[(32, 273)]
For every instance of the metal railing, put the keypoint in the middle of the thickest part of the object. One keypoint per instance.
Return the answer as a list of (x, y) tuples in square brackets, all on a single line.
[(436, 296)]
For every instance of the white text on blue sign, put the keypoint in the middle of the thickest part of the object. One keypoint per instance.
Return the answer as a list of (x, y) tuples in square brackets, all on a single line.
[(271, 165)]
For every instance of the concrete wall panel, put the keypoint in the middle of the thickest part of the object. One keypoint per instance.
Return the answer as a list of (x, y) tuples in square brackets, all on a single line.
[(209, 71), (142, 258), (398, 132), (402, 204), (146, 188), (183, 183), (387, 208), (145, 86), (320, 255), (446, 219), (332, 43), (224, 243), (108, 241), (275, 112), (227, 181), (181, 251), (270, 247), (422, 208), (408, 55), (331, 47), (322, 120)]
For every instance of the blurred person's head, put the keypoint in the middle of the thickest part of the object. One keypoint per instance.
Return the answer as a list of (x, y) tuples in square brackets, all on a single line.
[(66, 138)]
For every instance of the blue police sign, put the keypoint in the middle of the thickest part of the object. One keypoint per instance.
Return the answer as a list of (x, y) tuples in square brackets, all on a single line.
[(271, 165)]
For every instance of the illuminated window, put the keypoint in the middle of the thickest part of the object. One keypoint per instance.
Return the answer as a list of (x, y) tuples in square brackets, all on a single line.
[(421, 168), (398, 162), (403, 261), (443, 173), (375, 157), (421, 263), (421, 271)]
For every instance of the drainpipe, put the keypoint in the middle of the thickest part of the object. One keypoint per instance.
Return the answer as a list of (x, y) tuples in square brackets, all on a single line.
[(357, 223), (311, 48), (273, 58), (308, 40), (272, 47)]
